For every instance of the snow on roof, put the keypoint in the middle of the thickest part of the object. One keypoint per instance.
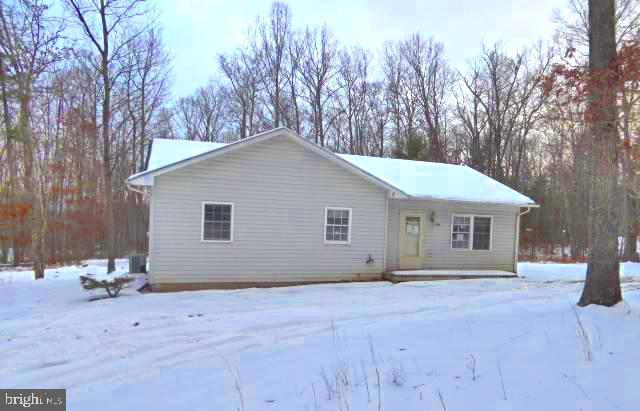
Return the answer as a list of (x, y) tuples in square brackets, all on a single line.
[(418, 179), (165, 151), (438, 181)]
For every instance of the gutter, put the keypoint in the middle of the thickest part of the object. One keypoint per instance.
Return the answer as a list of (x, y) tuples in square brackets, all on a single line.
[(516, 247), (457, 200), (147, 195)]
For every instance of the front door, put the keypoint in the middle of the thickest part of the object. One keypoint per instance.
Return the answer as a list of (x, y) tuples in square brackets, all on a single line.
[(411, 240)]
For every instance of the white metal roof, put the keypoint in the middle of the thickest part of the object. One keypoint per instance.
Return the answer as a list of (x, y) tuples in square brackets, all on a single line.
[(416, 179), (165, 151), (439, 181)]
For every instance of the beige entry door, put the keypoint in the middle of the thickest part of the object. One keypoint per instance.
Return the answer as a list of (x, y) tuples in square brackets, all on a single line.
[(411, 240)]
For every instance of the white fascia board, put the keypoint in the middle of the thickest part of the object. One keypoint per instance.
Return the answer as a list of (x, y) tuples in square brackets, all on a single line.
[(455, 200), (141, 180)]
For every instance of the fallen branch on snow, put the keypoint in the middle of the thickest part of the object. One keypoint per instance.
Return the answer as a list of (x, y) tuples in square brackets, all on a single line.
[(112, 286)]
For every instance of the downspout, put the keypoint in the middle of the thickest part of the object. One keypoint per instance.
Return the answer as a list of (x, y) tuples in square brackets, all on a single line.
[(386, 226), (517, 244), (149, 233)]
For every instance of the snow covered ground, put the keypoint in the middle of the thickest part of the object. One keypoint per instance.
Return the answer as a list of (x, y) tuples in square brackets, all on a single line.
[(324, 347), (95, 267), (567, 272)]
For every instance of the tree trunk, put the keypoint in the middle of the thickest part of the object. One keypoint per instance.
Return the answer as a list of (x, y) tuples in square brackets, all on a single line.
[(631, 242), (36, 222), (90, 194), (109, 228), (143, 123), (243, 123), (602, 284), (381, 132), (630, 251), (276, 104), (294, 101), (13, 169)]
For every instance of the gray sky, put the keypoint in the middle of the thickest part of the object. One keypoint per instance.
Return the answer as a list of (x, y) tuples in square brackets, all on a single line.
[(195, 31)]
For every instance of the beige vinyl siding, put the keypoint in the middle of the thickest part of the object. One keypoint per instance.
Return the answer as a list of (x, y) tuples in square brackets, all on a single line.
[(279, 190), (437, 245)]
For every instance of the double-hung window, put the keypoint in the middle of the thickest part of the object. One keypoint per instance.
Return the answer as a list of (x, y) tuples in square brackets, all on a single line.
[(337, 225), (471, 232), (217, 221), (461, 232), (482, 233)]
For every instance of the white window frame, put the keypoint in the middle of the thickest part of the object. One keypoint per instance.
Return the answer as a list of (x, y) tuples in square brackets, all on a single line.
[(470, 248), (233, 211), (324, 231)]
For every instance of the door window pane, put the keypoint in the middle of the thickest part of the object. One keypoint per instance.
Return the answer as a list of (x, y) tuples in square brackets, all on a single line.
[(412, 237)]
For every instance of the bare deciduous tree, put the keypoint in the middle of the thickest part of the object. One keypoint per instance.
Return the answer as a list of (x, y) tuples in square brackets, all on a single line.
[(147, 81), (274, 36), (509, 92), (110, 26), (239, 69), (573, 35), (29, 43), (354, 83), (431, 78), (317, 72), (602, 283), (202, 116), (403, 103)]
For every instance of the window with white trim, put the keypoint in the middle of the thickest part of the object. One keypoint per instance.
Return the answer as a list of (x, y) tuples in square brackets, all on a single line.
[(481, 233), (471, 232), (337, 225), (461, 232), (217, 221)]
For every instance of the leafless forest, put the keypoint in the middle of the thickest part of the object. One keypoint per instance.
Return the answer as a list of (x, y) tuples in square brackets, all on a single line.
[(85, 88)]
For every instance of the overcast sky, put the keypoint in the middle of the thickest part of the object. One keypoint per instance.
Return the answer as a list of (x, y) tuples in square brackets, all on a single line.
[(195, 31)]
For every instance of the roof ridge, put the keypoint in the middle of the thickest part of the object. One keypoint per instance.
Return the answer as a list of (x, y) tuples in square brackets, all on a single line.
[(410, 178), (403, 159), (187, 140)]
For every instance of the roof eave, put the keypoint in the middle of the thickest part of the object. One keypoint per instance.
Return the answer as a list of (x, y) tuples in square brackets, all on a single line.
[(141, 179)]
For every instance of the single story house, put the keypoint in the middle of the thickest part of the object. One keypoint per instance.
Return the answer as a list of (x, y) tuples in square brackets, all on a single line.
[(277, 209)]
